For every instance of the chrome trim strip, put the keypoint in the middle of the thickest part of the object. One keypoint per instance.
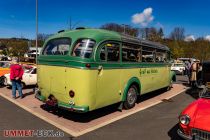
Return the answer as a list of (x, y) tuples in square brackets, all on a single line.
[(181, 134)]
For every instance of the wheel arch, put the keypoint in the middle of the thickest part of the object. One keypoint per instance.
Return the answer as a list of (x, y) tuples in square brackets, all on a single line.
[(133, 81)]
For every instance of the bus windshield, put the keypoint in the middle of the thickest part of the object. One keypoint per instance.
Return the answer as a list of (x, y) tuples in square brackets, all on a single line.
[(83, 48)]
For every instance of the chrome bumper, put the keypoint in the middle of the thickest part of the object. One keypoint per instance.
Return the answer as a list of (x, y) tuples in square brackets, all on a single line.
[(181, 134)]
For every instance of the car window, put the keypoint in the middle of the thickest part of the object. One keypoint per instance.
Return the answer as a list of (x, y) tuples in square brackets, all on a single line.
[(178, 65), (6, 65), (34, 71)]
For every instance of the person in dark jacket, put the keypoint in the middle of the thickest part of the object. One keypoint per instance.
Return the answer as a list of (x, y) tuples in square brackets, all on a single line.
[(16, 73)]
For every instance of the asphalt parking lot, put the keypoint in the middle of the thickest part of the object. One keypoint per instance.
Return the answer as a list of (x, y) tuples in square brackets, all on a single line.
[(158, 122)]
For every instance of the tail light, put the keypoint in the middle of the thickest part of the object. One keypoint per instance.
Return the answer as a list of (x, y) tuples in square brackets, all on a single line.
[(88, 65), (71, 93)]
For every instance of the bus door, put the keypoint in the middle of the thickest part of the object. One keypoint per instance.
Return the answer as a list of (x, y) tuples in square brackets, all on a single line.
[(53, 75), (108, 78)]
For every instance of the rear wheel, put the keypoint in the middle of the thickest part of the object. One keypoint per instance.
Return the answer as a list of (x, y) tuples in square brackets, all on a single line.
[(131, 97)]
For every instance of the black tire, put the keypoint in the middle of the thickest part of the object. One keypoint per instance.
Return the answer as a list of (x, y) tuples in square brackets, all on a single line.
[(131, 97), (2, 80), (5, 81)]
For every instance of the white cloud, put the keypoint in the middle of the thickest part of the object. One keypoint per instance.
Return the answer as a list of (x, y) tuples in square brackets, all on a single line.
[(207, 37), (189, 38), (143, 18)]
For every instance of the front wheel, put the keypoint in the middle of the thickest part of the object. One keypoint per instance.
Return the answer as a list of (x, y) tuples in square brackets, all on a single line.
[(131, 97), (2, 78)]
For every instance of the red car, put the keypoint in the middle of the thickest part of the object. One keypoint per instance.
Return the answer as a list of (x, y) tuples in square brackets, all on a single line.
[(194, 121)]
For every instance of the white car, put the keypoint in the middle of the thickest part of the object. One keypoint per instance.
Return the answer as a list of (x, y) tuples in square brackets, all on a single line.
[(178, 68), (29, 77)]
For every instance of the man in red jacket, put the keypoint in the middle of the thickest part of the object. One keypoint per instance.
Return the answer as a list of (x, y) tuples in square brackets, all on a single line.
[(16, 73)]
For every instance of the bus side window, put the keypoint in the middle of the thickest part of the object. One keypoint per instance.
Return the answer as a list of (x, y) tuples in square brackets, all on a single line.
[(83, 48), (148, 54), (103, 54), (113, 52), (160, 56), (110, 52), (131, 53)]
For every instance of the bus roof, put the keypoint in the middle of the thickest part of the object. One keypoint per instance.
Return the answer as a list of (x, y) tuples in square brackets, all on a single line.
[(131, 39), (101, 34), (96, 34)]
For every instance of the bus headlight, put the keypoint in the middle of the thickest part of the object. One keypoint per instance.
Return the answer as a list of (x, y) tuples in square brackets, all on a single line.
[(184, 119)]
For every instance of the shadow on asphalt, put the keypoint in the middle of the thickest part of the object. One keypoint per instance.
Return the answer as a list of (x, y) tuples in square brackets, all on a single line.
[(80, 117), (193, 92), (28, 94), (92, 115), (172, 133)]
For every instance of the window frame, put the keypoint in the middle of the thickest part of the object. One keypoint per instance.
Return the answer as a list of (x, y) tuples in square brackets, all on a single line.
[(75, 42), (101, 45), (138, 49), (153, 53)]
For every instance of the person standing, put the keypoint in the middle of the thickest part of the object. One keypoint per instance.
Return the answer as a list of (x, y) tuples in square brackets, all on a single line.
[(188, 65), (16, 73), (194, 70)]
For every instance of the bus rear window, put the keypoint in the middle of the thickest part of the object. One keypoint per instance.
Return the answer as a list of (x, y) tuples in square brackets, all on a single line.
[(83, 48), (59, 46)]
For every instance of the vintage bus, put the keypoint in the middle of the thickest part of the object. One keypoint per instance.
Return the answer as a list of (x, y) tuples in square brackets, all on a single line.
[(86, 69)]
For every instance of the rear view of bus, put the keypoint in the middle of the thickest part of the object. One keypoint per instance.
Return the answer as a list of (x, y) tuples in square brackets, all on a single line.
[(67, 74)]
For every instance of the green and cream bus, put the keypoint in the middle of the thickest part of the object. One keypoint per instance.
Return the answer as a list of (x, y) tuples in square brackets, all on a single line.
[(86, 69)]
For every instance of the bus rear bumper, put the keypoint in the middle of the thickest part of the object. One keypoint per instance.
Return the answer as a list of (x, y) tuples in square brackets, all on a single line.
[(74, 108), (57, 104)]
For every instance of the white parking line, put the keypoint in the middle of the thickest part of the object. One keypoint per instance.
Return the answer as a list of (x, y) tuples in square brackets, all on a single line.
[(126, 115), (41, 116), (76, 134)]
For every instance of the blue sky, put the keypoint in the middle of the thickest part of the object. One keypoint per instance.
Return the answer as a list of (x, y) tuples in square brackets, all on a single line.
[(17, 17)]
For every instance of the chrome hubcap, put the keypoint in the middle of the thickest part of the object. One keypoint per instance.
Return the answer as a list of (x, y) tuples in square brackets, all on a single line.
[(131, 95)]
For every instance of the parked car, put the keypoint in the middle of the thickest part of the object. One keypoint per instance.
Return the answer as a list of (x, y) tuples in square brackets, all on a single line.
[(194, 121), (29, 77), (2, 63), (178, 68), (204, 74), (4, 69)]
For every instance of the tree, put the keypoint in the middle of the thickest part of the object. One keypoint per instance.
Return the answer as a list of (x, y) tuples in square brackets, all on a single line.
[(177, 34), (151, 34), (126, 29), (42, 38), (160, 33)]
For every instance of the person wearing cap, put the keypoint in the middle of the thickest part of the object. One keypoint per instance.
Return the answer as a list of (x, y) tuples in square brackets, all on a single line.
[(16, 73)]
